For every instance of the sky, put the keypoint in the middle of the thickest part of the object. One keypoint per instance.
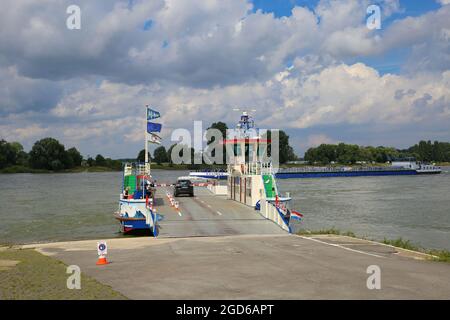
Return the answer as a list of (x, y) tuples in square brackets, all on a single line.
[(312, 68)]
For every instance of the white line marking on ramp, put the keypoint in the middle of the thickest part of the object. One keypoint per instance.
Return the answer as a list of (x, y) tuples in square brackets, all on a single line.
[(339, 246), (219, 213), (179, 213), (209, 206)]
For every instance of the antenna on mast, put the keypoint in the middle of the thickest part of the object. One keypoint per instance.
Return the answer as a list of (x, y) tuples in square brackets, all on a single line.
[(246, 122)]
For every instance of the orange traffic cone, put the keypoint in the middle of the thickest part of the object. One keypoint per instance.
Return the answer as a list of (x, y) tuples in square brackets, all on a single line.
[(101, 261)]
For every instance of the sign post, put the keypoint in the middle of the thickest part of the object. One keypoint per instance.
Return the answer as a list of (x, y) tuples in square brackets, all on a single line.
[(102, 250)]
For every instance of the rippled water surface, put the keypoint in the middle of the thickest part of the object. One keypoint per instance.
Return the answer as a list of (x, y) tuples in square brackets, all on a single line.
[(50, 207)]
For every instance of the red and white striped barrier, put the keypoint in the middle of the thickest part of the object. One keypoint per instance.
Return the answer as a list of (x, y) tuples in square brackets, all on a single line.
[(198, 184)]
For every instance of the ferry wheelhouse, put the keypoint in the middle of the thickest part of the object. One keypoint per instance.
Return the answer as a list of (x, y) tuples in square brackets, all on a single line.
[(251, 174)]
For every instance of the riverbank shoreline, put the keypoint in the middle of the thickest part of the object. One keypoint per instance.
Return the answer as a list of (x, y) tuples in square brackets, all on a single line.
[(440, 255), (95, 169), (21, 169), (224, 267), (28, 274)]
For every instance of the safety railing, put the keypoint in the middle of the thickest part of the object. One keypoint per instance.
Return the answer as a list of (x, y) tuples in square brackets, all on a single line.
[(138, 169), (258, 168), (271, 212)]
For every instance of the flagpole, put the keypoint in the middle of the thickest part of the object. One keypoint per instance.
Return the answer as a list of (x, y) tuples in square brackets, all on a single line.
[(146, 137)]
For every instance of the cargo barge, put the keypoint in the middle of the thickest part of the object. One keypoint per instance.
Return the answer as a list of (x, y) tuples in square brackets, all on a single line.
[(398, 168)]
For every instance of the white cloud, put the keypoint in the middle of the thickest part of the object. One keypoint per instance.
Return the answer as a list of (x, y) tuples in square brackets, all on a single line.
[(21, 94), (199, 60), (336, 95), (444, 2), (193, 43), (315, 140), (31, 131)]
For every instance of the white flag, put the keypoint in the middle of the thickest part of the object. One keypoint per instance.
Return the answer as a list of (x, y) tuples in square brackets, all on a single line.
[(155, 139)]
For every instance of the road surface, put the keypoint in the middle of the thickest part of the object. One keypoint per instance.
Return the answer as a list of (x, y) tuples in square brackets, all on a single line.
[(255, 267), (209, 215)]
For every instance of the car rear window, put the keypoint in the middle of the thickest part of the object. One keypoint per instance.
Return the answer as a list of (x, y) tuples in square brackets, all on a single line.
[(184, 183)]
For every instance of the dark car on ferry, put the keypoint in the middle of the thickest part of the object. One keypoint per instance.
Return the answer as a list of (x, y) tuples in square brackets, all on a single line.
[(183, 186)]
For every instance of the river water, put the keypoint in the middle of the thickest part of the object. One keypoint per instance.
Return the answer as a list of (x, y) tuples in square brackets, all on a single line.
[(54, 207)]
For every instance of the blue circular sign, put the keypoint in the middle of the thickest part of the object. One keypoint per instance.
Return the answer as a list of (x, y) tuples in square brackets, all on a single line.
[(102, 247)]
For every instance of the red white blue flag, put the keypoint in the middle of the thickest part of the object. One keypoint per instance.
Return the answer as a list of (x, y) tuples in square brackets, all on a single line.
[(296, 215)]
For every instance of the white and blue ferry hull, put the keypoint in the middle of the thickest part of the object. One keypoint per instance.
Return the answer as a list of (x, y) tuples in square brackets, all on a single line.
[(134, 215)]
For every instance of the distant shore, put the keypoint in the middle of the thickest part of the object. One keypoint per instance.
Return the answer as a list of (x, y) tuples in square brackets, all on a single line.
[(185, 167), (22, 169), (163, 166)]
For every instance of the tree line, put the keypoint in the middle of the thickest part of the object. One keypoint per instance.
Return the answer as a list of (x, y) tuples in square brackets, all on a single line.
[(350, 153), (163, 155), (427, 151), (49, 154)]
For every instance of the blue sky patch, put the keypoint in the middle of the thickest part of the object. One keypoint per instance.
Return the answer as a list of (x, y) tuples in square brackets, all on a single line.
[(283, 8), (148, 24)]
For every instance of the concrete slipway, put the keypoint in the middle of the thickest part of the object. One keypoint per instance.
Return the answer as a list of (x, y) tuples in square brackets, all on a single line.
[(219, 249)]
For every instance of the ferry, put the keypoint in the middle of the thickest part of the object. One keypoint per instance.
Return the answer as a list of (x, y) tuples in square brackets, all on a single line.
[(250, 181), (136, 202)]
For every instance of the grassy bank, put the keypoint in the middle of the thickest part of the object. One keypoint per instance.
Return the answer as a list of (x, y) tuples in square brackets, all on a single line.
[(438, 255), (164, 166), (91, 169), (334, 165), (27, 274), (22, 169)]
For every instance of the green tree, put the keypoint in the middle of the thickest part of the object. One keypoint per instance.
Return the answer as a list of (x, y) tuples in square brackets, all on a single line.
[(91, 162), (21, 156), (427, 151), (100, 161), (48, 154), (169, 154), (113, 164), (222, 127), (181, 153), (75, 157), (9, 153), (285, 151), (347, 153), (160, 155), (141, 156)]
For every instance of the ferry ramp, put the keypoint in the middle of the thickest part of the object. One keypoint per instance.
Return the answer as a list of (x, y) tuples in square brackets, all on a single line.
[(207, 214)]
